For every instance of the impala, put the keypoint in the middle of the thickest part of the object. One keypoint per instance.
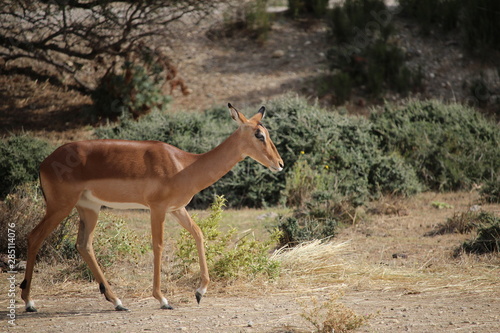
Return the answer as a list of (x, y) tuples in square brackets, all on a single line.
[(138, 174)]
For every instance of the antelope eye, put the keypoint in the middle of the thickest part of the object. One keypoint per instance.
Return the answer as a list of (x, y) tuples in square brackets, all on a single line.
[(260, 136)]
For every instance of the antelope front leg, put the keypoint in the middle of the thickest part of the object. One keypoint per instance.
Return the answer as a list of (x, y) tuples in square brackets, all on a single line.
[(185, 220), (157, 221)]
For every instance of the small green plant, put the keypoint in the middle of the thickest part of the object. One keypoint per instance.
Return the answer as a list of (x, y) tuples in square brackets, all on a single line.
[(113, 241), (258, 19), (227, 259), (299, 8), (488, 236), (363, 54), (20, 158), (342, 86), (461, 223), (442, 14), (132, 92), (332, 316), (490, 191), (441, 205)]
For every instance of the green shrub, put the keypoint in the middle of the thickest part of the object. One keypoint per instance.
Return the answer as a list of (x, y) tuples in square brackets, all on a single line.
[(247, 184), (342, 86), (480, 23), (226, 259), (299, 8), (478, 20), (392, 175), (444, 14), (113, 241), (298, 229), (258, 19), (342, 145), (132, 92), (20, 158), (451, 147), (461, 223), (361, 29), (490, 192), (354, 21), (488, 236)]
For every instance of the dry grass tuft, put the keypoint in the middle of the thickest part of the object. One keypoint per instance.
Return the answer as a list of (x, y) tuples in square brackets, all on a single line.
[(332, 316), (314, 257)]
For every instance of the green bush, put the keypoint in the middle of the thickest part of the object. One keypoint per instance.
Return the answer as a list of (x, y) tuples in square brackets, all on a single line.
[(480, 23), (342, 86), (132, 92), (363, 55), (113, 241), (451, 147), (342, 145), (247, 184), (299, 8), (353, 21), (297, 229), (478, 20), (488, 236), (444, 14), (20, 158), (392, 175), (490, 192), (226, 259)]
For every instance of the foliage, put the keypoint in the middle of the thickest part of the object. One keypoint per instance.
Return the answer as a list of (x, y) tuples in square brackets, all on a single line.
[(342, 83), (258, 19), (490, 192), (227, 259), (461, 223), (390, 174), (333, 316), (343, 146), (451, 147), (250, 19), (488, 236), (298, 8), (478, 20), (444, 14), (247, 184), (20, 157), (133, 92), (481, 23), (363, 56), (24, 207), (352, 18), (113, 241)]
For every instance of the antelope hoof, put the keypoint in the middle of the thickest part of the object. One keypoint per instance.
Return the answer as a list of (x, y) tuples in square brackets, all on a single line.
[(198, 296), (31, 309), (167, 307), (121, 308)]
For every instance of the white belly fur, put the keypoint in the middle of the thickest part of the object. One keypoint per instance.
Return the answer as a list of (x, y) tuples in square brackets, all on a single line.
[(88, 200)]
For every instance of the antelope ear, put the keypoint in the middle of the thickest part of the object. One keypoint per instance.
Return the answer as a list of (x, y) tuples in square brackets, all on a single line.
[(260, 114), (236, 115)]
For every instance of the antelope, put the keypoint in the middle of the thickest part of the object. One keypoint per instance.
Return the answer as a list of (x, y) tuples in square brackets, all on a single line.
[(138, 175)]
